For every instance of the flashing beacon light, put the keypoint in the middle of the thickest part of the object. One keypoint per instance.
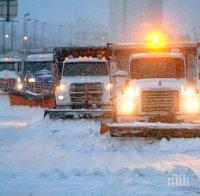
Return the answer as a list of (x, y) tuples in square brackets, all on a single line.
[(156, 39)]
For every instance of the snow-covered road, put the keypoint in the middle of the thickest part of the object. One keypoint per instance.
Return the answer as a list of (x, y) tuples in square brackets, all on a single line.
[(43, 157)]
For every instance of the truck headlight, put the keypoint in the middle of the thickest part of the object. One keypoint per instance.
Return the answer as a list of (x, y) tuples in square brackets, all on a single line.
[(192, 105), (131, 92), (126, 107), (18, 79), (61, 97), (108, 86), (19, 86), (61, 87), (31, 80)]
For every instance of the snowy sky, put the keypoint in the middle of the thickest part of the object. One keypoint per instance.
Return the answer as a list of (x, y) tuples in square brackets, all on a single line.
[(62, 11), (182, 15)]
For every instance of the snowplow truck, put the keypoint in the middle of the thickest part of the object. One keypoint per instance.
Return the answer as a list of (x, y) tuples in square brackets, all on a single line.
[(35, 86), (84, 86), (155, 93), (8, 73)]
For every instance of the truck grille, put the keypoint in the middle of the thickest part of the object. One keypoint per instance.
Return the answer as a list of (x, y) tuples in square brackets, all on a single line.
[(160, 101), (7, 84), (86, 92)]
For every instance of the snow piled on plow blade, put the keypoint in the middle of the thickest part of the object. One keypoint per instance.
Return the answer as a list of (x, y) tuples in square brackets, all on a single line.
[(154, 130)]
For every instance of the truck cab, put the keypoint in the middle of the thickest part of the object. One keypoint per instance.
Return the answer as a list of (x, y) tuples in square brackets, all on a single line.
[(84, 83), (8, 73), (158, 87), (36, 75)]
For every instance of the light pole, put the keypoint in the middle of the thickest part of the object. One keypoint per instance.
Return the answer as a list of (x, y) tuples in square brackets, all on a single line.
[(12, 33), (60, 34), (25, 29), (34, 36), (27, 34), (43, 31), (3, 36)]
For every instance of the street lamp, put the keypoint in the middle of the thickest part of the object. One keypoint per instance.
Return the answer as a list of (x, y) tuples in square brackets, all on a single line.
[(25, 38), (7, 36), (35, 39), (25, 28)]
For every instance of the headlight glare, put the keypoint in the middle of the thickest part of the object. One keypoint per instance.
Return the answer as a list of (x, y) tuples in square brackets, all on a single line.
[(60, 97), (126, 107), (109, 86), (18, 79), (31, 80), (61, 87), (192, 105), (19, 86), (131, 92)]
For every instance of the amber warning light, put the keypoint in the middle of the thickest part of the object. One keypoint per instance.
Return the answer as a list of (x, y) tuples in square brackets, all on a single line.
[(156, 39)]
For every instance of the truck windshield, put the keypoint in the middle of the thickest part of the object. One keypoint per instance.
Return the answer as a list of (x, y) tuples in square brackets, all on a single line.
[(37, 66), (157, 68), (85, 69), (10, 66)]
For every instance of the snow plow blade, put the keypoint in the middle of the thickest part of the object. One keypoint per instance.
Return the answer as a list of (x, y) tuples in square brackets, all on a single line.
[(152, 130), (22, 101), (76, 113)]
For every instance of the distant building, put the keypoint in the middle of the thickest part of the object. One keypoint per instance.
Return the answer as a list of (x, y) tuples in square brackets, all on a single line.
[(130, 18), (155, 12)]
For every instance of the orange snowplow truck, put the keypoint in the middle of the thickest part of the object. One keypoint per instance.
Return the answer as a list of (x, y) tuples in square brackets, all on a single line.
[(155, 90)]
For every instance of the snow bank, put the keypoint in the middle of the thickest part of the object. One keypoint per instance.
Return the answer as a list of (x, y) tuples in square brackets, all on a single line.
[(125, 181), (4, 102), (83, 136), (17, 116), (56, 157)]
